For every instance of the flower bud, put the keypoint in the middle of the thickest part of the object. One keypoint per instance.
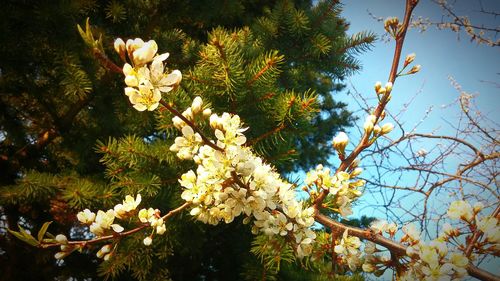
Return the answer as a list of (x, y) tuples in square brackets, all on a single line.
[(387, 128), (371, 118), (214, 121), (147, 241), (378, 85), (161, 229), (145, 53), (60, 255), (197, 104), (120, 47), (106, 249), (133, 45), (414, 69), (368, 127), (178, 123), (188, 113), (108, 256), (478, 207), (382, 115), (409, 59), (368, 267), (340, 142), (61, 238), (356, 172), (388, 87), (391, 24), (207, 112)]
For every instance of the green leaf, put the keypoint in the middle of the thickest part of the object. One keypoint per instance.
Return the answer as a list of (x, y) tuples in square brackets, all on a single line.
[(24, 236), (43, 229)]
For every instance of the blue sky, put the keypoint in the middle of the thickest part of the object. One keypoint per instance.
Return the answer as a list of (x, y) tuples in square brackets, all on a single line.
[(442, 53)]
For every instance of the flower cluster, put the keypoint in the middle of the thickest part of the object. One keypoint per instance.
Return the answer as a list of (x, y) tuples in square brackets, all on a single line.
[(429, 260), (392, 26), (371, 126), (488, 225), (432, 260), (232, 181), (340, 186), (348, 248), (145, 76), (102, 223), (154, 219)]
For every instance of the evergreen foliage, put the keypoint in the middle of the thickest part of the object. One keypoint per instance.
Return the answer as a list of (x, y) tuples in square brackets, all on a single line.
[(69, 139)]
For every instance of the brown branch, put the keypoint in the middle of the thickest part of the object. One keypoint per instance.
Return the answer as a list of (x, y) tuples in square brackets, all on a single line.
[(106, 62), (364, 143), (395, 248), (473, 148)]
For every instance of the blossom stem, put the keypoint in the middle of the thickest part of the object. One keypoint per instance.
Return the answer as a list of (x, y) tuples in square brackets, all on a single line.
[(106, 62)]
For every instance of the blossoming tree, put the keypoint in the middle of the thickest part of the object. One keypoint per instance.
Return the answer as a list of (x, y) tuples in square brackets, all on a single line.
[(228, 180)]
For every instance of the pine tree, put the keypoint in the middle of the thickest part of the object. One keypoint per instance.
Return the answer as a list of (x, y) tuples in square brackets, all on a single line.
[(70, 139)]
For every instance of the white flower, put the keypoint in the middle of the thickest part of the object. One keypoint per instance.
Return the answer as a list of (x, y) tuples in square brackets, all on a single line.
[(188, 145), (86, 216), (119, 46), (387, 128), (460, 210), (103, 221), (145, 53), (145, 98), (489, 226), (459, 260), (155, 75), (368, 267), (411, 232), (370, 247), (379, 226), (129, 204), (147, 241), (340, 142), (348, 245), (133, 45), (197, 104)]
